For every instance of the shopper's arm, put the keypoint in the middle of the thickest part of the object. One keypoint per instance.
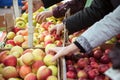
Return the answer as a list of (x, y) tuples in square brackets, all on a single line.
[(48, 3), (101, 31), (88, 16), (74, 5)]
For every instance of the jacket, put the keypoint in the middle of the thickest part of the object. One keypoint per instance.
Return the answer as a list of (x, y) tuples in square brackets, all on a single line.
[(101, 31), (74, 5), (88, 16)]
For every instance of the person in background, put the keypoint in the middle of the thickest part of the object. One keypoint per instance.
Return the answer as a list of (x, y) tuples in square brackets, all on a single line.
[(9, 3), (59, 11), (94, 36)]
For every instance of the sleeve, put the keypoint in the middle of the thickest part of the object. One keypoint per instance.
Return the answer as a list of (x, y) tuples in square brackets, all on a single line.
[(48, 3), (88, 16), (101, 31), (74, 5)]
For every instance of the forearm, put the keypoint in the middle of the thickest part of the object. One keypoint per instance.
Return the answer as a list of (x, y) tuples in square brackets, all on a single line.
[(74, 5), (48, 3), (101, 31), (88, 16)]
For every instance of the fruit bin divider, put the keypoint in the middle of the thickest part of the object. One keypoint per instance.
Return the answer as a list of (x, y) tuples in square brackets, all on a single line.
[(65, 43), (58, 61)]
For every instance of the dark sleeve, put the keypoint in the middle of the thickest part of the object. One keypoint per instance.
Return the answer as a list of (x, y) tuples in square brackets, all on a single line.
[(74, 5), (48, 3), (88, 16)]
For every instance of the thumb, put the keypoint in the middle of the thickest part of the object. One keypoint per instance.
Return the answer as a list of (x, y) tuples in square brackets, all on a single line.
[(58, 32)]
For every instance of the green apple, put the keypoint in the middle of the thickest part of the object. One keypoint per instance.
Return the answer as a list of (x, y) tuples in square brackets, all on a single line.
[(10, 35), (54, 70), (14, 79), (8, 46), (16, 49), (21, 24), (48, 46)]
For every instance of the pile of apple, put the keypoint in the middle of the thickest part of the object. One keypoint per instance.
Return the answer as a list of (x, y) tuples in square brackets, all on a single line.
[(88, 66), (29, 64)]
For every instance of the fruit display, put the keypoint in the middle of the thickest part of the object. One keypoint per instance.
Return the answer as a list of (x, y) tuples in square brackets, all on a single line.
[(88, 67), (27, 64)]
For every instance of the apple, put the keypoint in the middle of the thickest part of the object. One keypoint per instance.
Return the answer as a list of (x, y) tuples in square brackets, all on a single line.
[(82, 74), (36, 65), (35, 41), (92, 59), (24, 70), (43, 73), (52, 78), (47, 25), (8, 46), (48, 60), (25, 16), (88, 68), (3, 55), (10, 42), (41, 30), (83, 79), (69, 62), (18, 39), (71, 74), (15, 29), (25, 44), (16, 49), (27, 58), (97, 54), (54, 70), (71, 68), (58, 43), (103, 67), (27, 51), (93, 73), (30, 76), (94, 65), (20, 24), (100, 78), (105, 59), (23, 32), (41, 37), (48, 42), (82, 63), (10, 60), (107, 51), (20, 62), (49, 46), (38, 54), (9, 72), (49, 38), (10, 35), (14, 79)]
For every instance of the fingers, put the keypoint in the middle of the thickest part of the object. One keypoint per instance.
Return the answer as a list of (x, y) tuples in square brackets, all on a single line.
[(52, 29)]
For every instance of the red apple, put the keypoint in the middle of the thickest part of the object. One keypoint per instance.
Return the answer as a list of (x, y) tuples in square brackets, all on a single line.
[(71, 68), (18, 39), (71, 74), (83, 79), (43, 73), (30, 76), (10, 61), (94, 64), (3, 55), (9, 72), (88, 68), (93, 73), (69, 62), (99, 77), (49, 38), (36, 65), (10, 42), (48, 42), (107, 51), (58, 42), (82, 74), (103, 67), (97, 54), (105, 59), (24, 70), (82, 63), (47, 25), (27, 50), (92, 59), (15, 29)]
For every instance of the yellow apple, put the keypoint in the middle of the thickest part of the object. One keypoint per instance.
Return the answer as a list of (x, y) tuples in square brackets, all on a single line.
[(18, 39), (54, 70), (10, 35)]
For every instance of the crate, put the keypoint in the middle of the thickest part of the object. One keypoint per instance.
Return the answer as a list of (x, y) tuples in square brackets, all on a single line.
[(58, 61)]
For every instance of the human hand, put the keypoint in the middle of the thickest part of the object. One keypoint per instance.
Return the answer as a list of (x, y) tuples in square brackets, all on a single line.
[(62, 51), (41, 17), (58, 28)]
